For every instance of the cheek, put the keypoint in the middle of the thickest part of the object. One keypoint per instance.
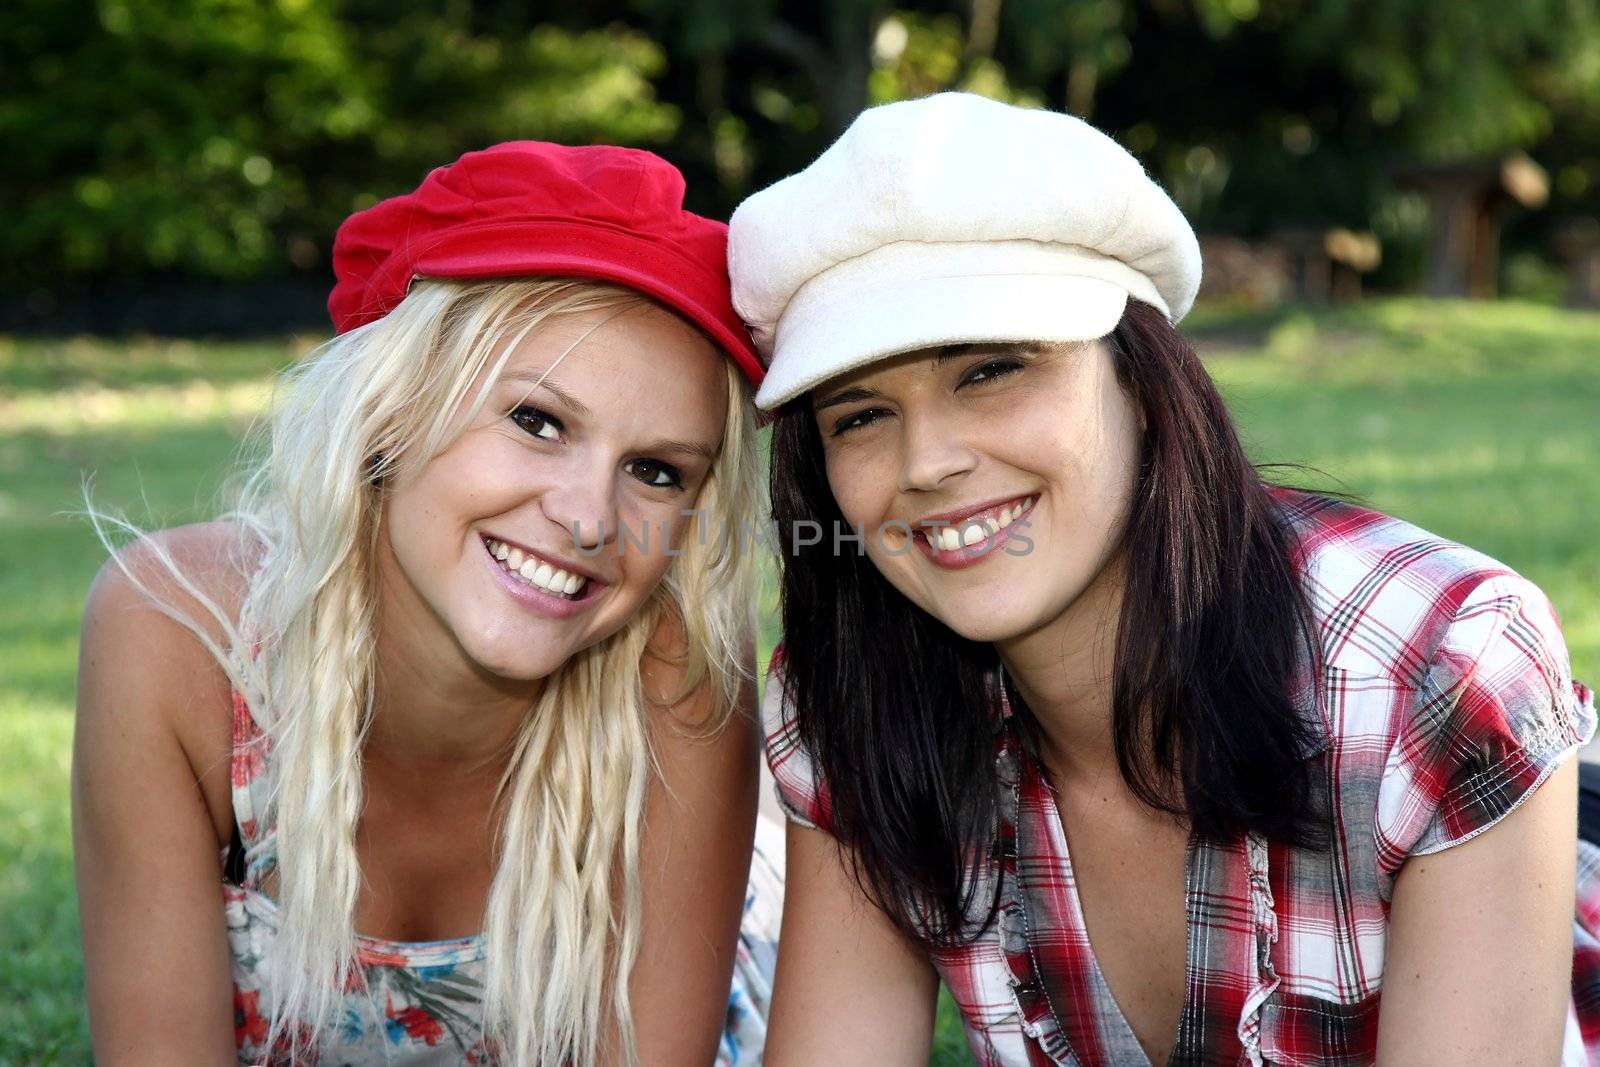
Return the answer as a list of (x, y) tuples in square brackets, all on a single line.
[(428, 511), (415, 510), (480, 477), (659, 535), (860, 487), (1123, 444), (1092, 458)]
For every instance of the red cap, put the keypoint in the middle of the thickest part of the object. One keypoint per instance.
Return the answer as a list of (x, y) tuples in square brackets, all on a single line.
[(531, 208)]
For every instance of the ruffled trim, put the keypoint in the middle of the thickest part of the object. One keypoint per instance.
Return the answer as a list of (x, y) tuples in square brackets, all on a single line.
[(1028, 993), (1561, 727), (1264, 917)]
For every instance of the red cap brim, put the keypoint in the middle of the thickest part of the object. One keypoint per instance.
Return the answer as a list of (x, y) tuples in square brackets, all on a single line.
[(556, 247)]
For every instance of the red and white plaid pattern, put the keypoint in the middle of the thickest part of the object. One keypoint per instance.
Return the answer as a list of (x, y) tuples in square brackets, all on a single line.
[(1445, 699)]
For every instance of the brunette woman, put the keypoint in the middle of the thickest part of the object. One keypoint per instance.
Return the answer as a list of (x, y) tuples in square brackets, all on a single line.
[(1148, 759)]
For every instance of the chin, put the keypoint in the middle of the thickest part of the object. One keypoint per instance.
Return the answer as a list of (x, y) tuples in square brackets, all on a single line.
[(989, 629), (991, 632), (523, 668), (513, 656)]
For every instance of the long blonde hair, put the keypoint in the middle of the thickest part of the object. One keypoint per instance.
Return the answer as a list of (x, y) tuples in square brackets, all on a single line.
[(379, 401)]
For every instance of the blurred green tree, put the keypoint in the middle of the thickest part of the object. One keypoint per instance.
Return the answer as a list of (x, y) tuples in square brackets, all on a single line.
[(227, 138)]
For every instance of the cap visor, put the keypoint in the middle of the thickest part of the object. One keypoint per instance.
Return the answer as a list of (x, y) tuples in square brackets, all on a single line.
[(825, 336)]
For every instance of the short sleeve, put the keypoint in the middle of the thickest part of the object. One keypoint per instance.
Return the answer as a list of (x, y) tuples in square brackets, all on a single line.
[(800, 793), (1496, 713)]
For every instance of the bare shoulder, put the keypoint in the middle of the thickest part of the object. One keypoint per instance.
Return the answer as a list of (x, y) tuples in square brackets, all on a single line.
[(150, 798), (140, 670), (209, 555), (191, 571)]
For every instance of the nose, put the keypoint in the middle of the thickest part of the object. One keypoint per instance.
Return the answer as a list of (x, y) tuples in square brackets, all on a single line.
[(584, 504), (931, 454)]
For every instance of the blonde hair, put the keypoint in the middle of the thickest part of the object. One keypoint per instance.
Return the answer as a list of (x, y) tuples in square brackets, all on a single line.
[(383, 400)]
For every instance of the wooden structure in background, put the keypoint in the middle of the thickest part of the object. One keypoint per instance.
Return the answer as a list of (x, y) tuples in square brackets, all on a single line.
[(1327, 264), (1467, 201)]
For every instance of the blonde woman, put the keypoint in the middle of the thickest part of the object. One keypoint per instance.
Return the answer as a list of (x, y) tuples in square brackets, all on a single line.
[(457, 702)]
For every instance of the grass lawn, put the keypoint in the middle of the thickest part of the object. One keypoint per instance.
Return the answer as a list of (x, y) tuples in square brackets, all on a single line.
[(1479, 422)]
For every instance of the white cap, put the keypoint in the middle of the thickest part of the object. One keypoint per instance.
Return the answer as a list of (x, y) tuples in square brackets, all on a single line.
[(951, 219)]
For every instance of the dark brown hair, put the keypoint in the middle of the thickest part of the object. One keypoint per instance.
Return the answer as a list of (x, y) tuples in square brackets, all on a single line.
[(1214, 627)]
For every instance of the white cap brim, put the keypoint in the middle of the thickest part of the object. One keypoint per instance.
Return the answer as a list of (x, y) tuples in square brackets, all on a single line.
[(910, 295)]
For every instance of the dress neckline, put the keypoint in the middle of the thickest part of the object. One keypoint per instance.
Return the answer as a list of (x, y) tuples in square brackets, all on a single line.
[(1063, 1002), (378, 951), (1074, 1007), (258, 839)]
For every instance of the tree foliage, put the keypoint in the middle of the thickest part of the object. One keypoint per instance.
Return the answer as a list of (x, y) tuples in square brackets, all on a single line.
[(227, 138)]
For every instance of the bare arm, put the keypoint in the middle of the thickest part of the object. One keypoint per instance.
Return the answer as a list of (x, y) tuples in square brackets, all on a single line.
[(851, 989), (1479, 963), (145, 842), (695, 864)]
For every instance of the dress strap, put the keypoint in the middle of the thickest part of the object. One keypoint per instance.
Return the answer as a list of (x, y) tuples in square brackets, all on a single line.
[(247, 766)]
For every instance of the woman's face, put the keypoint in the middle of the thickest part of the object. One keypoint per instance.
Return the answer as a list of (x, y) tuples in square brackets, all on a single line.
[(1012, 467), (547, 524)]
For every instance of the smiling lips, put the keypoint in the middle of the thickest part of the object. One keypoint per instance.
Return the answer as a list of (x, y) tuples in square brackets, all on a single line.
[(525, 567), (955, 542)]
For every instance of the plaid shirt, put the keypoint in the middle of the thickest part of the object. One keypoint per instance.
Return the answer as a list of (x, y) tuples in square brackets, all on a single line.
[(1445, 699)]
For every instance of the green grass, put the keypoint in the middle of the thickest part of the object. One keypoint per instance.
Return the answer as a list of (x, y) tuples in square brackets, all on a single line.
[(1479, 422), (154, 425)]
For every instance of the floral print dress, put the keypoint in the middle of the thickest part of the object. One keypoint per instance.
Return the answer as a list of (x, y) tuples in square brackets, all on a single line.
[(421, 1001)]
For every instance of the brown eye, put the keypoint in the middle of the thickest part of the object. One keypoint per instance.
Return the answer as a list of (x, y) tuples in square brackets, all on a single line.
[(537, 423), (990, 369), (656, 474), (856, 419)]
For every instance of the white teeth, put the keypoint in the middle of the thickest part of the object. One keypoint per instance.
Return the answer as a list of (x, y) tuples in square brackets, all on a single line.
[(1014, 512), (535, 571), (974, 529)]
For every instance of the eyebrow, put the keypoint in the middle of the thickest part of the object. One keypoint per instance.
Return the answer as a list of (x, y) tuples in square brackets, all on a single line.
[(683, 448), (948, 352), (539, 379), (847, 396)]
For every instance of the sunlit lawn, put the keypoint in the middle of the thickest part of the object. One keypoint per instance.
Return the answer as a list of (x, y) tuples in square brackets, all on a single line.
[(1481, 423)]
